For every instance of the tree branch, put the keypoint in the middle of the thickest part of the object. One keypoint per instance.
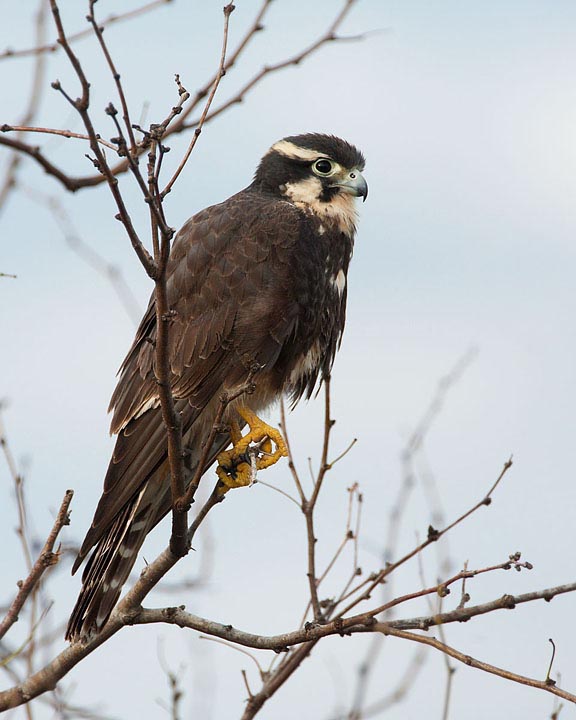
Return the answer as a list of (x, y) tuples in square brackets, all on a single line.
[(81, 105), (53, 131), (472, 662), (46, 559), (42, 49), (228, 10)]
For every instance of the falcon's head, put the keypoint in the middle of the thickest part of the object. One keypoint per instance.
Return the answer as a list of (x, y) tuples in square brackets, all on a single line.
[(320, 173)]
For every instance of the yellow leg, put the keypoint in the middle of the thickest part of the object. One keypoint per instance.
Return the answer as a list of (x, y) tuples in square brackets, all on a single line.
[(235, 468)]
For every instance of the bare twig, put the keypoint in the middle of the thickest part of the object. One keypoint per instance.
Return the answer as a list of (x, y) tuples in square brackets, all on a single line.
[(98, 31), (228, 10), (472, 662), (53, 131), (274, 681), (174, 685), (548, 679), (329, 36), (395, 696), (70, 182), (81, 105), (278, 490), (308, 506), (349, 534), (433, 536), (46, 559), (448, 666), (109, 271), (237, 649), (291, 464), (41, 49), (34, 98)]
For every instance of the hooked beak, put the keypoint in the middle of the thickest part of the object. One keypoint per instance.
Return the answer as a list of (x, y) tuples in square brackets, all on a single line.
[(354, 184)]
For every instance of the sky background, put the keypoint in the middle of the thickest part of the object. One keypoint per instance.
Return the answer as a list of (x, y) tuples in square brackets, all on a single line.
[(466, 113)]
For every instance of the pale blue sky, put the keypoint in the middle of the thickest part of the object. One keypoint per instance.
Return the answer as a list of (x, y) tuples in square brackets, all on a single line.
[(466, 113)]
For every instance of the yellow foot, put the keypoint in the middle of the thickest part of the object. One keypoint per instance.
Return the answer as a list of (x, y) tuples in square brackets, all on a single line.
[(237, 467)]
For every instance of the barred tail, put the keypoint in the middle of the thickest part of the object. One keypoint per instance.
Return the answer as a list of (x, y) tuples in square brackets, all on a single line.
[(109, 567)]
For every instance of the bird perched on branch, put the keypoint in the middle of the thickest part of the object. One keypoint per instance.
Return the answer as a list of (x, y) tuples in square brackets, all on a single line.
[(258, 281)]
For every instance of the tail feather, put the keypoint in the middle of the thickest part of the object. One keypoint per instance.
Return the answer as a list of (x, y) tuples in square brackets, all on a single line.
[(115, 552), (109, 567)]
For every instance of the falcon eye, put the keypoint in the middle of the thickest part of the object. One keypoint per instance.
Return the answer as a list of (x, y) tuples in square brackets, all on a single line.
[(323, 167)]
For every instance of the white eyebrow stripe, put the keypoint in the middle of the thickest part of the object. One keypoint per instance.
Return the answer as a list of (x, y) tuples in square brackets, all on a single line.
[(294, 152)]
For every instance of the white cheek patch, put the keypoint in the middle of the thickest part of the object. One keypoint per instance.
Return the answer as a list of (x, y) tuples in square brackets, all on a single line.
[(339, 282), (340, 210), (304, 191)]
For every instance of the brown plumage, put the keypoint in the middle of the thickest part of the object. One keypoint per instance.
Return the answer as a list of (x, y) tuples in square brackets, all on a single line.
[(259, 278)]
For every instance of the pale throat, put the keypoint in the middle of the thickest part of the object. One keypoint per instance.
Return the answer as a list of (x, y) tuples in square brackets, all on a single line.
[(340, 211)]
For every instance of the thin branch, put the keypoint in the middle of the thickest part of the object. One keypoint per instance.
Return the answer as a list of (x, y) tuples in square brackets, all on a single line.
[(53, 131), (329, 36), (448, 666), (549, 680), (394, 697), (109, 271), (433, 536), (285, 670), (308, 507), (70, 182), (42, 49), (472, 662), (176, 692), (278, 490), (81, 105), (237, 649), (46, 559), (34, 98), (443, 588), (98, 31), (349, 534), (203, 91), (228, 10), (291, 464)]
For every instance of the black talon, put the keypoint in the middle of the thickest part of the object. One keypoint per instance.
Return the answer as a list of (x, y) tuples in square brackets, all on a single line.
[(231, 470)]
